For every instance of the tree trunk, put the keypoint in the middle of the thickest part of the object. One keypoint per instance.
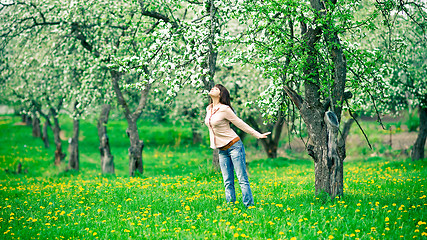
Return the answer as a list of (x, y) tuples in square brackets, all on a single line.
[(36, 126), (107, 160), (271, 143), (45, 136), (197, 136), (73, 147), (136, 145), (270, 148), (321, 126), (135, 149), (345, 132), (419, 145), (26, 119), (211, 64), (59, 155), (328, 163), (215, 160)]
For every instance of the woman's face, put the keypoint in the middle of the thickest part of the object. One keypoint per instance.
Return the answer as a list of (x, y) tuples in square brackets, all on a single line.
[(215, 92)]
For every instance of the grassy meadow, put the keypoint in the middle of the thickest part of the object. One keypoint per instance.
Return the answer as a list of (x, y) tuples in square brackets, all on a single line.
[(179, 196)]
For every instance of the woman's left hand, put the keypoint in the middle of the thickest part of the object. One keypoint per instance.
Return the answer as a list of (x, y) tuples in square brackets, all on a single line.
[(264, 135)]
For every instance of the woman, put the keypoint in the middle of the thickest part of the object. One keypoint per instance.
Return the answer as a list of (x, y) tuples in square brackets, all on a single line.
[(231, 151)]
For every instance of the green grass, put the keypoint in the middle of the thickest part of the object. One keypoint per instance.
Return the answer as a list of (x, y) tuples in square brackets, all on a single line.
[(179, 197)]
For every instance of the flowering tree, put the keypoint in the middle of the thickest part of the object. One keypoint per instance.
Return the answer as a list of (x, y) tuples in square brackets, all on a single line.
[(304, 49), (41, 87), (50, 32), (406, 56), (110, 33)]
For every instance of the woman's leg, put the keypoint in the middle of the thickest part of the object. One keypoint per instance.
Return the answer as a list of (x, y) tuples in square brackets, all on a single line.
[(237, 153), (228, 175)]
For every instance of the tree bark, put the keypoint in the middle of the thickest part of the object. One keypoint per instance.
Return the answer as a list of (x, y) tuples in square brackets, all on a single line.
[(419, 145), (215, 160), (107, 160), (323, 126), (136, 145), (45, 136), (271, 143), (197, 137), (211, 64), (59, 155), (344, 135), (270, 148), (26, 119), (36, 126), (328, 159), (135, 149), (73, 147)]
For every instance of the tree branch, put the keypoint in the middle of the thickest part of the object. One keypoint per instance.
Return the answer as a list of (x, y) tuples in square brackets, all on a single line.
[(373, 100), (294, 96), (155, 15), (361, 129)]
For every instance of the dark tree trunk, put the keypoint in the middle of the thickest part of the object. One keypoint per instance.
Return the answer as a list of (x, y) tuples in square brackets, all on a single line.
[(19, 168), (73, 147), (26, 119), (419, 145), (215, 160), (197, 136), (136, 145), (45, 136), (346, 128), (36, 126), (107, 160), (59, 155), (344, 135), (328, 159), (208, 81), (328, 163), (270, 147), (135, 149), (271, 143)]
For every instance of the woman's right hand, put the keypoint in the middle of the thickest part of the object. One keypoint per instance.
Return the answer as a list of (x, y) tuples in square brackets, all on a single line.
[(264, 135)]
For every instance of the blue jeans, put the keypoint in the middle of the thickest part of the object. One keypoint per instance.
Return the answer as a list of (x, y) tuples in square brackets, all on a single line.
[(230, 160)]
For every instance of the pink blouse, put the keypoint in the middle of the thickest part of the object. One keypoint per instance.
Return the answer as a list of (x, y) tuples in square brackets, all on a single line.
[(218, 122)]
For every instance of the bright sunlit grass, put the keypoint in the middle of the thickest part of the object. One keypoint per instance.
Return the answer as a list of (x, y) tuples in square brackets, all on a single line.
[(180, 198)]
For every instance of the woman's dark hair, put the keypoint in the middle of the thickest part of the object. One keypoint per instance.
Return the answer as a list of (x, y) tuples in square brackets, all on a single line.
[(224, 96)]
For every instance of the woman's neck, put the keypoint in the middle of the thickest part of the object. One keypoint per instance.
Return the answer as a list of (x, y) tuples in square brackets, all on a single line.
[(215, 101)]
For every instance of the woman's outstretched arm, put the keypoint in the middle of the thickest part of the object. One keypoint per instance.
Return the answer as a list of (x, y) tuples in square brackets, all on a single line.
[(231, 116)]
